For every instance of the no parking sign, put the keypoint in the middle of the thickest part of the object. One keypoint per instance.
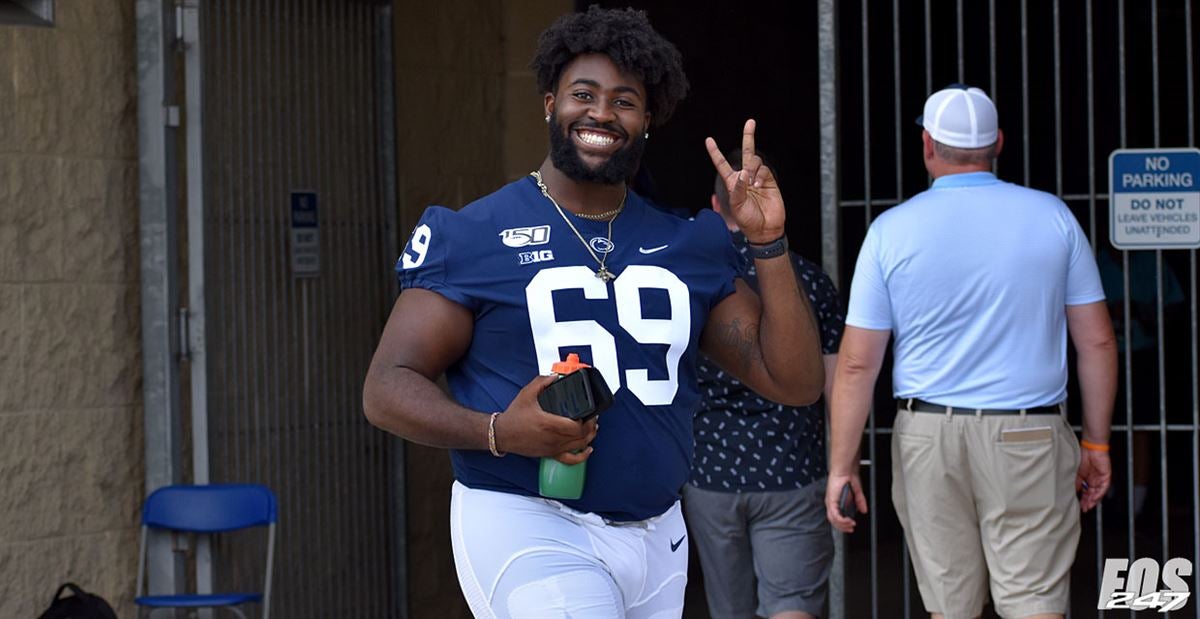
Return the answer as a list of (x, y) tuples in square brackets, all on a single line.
[(1155, 198)]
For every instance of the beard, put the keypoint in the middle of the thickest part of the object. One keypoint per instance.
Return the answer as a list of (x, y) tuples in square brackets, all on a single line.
[(619, 168)]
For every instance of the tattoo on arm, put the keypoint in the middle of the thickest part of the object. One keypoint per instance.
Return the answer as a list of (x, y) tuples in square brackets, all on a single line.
[(742, 341)]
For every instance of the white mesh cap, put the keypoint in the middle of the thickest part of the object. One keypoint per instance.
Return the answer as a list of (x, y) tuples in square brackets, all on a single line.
[(960, 116)]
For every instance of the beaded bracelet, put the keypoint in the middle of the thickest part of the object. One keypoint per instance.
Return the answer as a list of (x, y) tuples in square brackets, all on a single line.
[(492, 437)]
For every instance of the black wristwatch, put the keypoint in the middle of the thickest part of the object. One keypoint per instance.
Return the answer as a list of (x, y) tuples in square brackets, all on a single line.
[(775, 248)]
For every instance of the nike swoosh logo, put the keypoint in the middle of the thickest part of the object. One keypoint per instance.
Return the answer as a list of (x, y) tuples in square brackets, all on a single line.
[(675, 545), (652, 249)]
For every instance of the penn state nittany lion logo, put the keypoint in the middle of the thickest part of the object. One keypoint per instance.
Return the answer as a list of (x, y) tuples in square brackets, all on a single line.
[(601, 245)]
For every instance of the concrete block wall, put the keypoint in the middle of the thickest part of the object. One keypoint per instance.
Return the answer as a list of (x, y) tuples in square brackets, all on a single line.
[(468, 120), (70, 371)]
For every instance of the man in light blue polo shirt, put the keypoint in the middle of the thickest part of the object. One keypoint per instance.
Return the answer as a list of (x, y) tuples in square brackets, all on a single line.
[(979, 281)]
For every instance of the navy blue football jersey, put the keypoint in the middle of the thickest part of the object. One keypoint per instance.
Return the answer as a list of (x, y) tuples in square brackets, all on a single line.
[(512, 260)]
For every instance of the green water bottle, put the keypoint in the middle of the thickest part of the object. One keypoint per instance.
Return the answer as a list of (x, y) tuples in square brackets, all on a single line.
[(561, 481), (555, 479)]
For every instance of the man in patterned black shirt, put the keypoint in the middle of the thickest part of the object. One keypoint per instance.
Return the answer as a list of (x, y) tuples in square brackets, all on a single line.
[(755, 504)]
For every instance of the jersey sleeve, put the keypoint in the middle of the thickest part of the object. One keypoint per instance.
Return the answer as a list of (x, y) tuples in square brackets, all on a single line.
[(729, 261), (429, 258), (1083, 276), (870, 304)]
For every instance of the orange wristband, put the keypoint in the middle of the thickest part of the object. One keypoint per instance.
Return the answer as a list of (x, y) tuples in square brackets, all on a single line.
[(1090, 446)]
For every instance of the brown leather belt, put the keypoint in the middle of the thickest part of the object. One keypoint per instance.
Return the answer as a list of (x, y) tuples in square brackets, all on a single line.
[(921, 406)]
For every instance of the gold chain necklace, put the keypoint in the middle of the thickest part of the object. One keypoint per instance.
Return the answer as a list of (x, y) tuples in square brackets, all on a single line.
[(606, 215), (602, 273)]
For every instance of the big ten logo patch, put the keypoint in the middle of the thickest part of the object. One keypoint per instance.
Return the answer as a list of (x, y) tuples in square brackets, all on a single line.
[(1135, 586), (529, 235), (530, 257)]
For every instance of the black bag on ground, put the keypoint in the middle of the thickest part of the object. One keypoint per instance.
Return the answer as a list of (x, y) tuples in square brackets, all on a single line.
[(79, 605)]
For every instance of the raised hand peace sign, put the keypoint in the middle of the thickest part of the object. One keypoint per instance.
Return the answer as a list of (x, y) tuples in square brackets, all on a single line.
[(754, 197)]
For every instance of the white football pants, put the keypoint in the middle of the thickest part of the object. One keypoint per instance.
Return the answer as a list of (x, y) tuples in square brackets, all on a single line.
[(523, 557)]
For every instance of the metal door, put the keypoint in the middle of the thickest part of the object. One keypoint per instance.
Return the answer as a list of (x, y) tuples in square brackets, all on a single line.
[(1073, 80), (291, 234)]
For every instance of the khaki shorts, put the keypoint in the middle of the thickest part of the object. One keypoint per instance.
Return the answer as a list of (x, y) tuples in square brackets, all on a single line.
[(988, 502)]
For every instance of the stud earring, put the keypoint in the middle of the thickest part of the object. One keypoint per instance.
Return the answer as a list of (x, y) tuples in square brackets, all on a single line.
[(646, 135), (547, 118)]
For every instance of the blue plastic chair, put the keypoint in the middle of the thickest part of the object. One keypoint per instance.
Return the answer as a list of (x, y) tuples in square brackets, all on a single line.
[(209, 509)]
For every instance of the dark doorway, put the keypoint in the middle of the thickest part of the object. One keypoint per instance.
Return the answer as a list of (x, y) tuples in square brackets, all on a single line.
[(741, 64)]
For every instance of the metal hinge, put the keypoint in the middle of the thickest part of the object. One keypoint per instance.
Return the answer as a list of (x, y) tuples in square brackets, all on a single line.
[(179, 8), (181, 19)]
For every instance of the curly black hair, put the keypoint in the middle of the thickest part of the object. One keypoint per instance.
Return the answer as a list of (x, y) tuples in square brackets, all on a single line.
[(625, 36)]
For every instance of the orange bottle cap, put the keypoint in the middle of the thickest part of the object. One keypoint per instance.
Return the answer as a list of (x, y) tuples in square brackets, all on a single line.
[(569, 365)]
